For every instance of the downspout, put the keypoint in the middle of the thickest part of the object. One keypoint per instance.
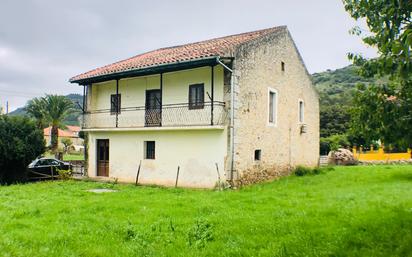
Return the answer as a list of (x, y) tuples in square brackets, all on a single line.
[(232, 115), (117, 103)]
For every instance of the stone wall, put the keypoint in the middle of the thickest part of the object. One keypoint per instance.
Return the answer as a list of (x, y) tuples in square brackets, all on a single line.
[(257, 68)]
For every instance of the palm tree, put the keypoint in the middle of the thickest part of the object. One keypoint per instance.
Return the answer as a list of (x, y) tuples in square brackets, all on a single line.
[(51, 110), (58, 108), (36, 108)]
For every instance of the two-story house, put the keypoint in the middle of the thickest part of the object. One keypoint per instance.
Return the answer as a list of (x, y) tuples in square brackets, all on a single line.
[(232, 104)]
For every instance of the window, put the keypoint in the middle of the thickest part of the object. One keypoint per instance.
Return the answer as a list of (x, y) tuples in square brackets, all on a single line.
[(272, 106), (150, 149), (301, 111), (258, 155), (41, 162), (115, 103), (196, 96), (282, 64)]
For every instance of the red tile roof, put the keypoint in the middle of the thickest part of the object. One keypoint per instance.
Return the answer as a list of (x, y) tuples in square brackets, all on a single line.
[(72, 131), (222, 46)]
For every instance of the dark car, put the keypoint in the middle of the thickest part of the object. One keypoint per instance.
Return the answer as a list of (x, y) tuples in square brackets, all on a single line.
[(46, 167)]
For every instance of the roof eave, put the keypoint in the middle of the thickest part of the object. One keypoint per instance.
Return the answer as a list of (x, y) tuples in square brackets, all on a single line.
[(163, 68)]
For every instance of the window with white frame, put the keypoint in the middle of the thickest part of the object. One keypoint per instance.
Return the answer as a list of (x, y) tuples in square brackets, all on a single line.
[(301, 111), (273, 98)]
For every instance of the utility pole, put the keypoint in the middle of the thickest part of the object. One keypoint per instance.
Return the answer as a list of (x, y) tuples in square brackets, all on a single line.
[(7, 107)]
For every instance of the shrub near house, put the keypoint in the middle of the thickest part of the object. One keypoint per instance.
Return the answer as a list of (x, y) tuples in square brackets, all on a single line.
[(20, 142)]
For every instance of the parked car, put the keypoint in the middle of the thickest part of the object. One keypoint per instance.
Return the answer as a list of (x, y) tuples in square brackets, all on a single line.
[(44, 167)]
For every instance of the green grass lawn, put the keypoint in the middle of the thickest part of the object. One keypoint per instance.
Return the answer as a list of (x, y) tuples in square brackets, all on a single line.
[(68, 157), (349, 211), (73, 157)]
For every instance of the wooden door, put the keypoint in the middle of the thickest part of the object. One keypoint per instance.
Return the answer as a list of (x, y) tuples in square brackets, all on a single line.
[(153, 114), (103, 157)]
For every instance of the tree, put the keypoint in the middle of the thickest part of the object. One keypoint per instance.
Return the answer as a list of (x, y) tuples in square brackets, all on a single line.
[(66, 143), (20, 143), (36, 108), (334, 120), (51, 110), (58, 108), (385, 111)]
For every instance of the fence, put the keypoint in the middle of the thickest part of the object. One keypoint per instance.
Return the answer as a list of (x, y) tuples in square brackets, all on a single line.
[(380, 155), (169, 115)]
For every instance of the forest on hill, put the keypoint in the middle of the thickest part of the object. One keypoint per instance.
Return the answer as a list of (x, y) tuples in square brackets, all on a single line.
[(336, 91)]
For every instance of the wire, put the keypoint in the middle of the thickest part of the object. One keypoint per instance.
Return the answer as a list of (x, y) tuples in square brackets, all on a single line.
[(17, 93)]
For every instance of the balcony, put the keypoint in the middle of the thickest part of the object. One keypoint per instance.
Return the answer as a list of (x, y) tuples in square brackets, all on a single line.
[(168, 115)]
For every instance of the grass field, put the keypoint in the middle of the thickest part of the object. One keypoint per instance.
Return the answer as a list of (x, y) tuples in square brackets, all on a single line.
[(73, 157), (68, 157), (349, 211)]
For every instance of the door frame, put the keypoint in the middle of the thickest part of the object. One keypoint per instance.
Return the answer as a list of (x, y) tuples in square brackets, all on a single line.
[(98, 157), (153, 116)]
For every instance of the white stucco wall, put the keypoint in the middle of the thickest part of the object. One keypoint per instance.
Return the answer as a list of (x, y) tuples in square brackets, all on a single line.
[(195, 151)]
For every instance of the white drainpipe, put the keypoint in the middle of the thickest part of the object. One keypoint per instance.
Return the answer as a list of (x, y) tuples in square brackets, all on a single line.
[(232, 115)]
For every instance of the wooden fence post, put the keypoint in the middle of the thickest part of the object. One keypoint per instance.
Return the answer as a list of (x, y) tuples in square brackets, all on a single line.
[(177, 175), (138, 172)]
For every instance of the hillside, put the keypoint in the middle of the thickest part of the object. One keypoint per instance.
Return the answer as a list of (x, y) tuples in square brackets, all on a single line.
[(72, 119), (336, 89)]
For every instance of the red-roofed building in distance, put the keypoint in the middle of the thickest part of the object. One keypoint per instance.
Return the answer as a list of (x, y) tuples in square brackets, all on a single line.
[(224, 109), (71, 132)]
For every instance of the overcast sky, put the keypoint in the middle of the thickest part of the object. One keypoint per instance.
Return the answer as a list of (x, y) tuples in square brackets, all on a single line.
[(45, 42)]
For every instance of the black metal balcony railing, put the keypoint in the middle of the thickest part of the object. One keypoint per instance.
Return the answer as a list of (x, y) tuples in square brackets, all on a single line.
[(169, 115)]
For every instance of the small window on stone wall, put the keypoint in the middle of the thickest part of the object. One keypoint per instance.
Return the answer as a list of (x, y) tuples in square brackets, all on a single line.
[(258, 154), (282, 64)]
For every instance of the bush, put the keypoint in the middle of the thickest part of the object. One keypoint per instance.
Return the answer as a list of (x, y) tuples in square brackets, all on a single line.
[(200, 233), (64, 174), (332, 143), (303, 171), (20, 143)]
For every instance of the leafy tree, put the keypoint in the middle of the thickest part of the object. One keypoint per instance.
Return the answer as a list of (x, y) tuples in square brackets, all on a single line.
[(334, 119), (66, 143), (333, 142), (385, 111), (21, 142)]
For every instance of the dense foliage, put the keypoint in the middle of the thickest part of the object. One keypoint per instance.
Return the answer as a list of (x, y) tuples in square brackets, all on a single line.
[(385, 111), (333, 142), (21, 142), (336, 90)]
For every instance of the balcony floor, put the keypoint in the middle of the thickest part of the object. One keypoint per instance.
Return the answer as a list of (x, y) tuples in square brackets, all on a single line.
[(206, 127)]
